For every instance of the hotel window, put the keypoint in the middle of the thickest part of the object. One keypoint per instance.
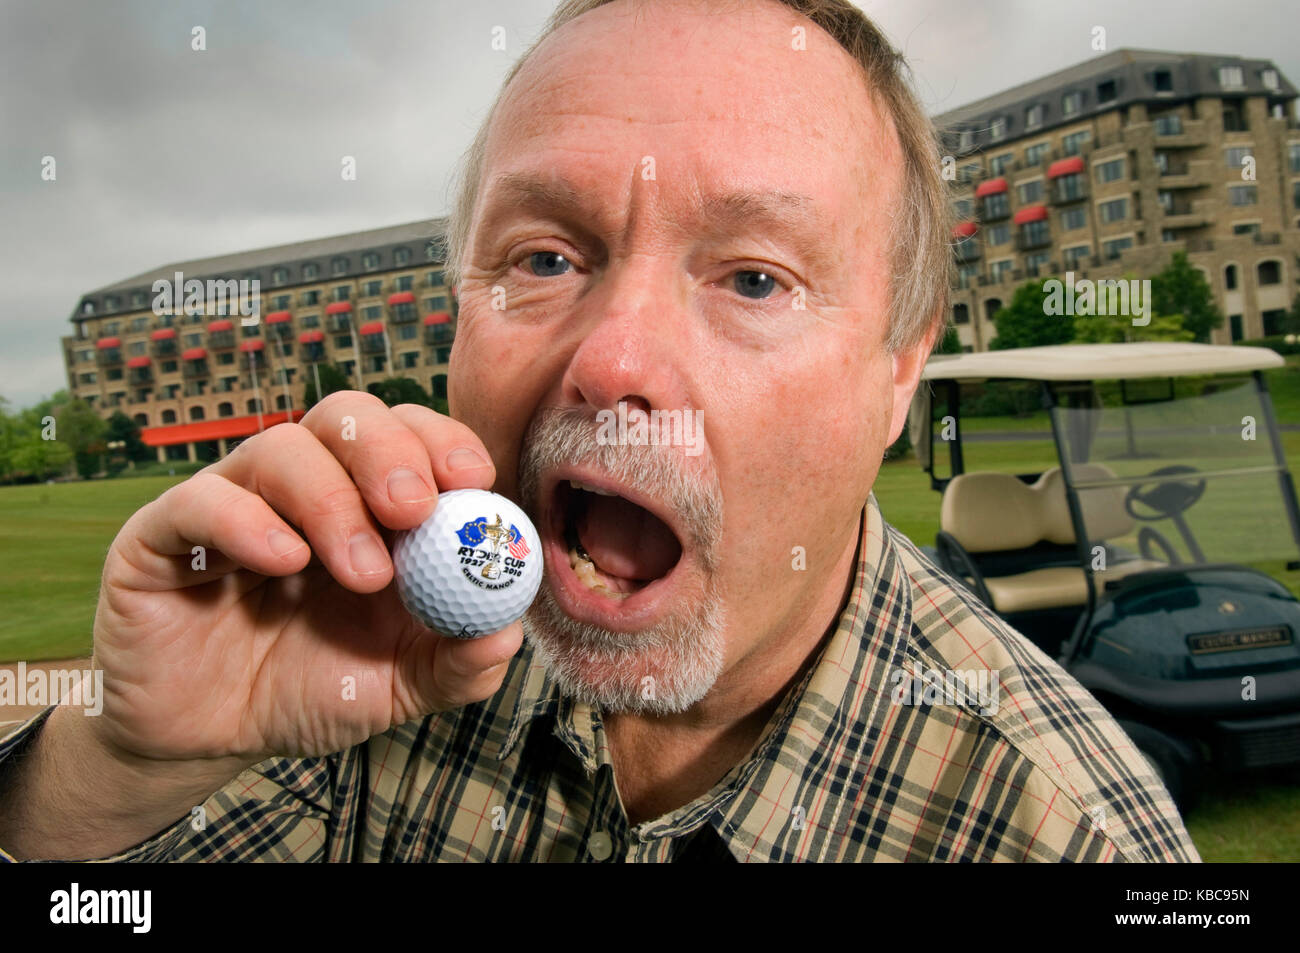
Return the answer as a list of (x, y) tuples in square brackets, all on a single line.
[(370, 260), (963, 209), (410, 359), (1269, 78), (1234, 116), (343, 340), (137, 299), (169, 416), (1233, 157), (310, 271), (342, 292), (1230, 77), (997, 130), (1246, 228), (1116, 210), (225, 409), (403, 283), (1074, 143), (1163, 81), (1074, 253), (1107, 91), (1037, 153), (442, 354), (1034, 116), (1038, 260), (310, 320), (996, 205), (1293, 156), (225, 357), (999, 164), (1166, 200), (1169, 124), (1000, 268), (139, 324), (280, 303), (969, 172), (136, 348), (88, 307), (1113, 247), (339, 266), (406, 332), (112, 303), (1230, 278), (169, 367), (402, 256), (311, 297), (88, 378), (965, 140), (1242, 195), (372, 313), (279, 276), (373, 289), (1030, 192), (999, 234), (1295, 193), (1071, 104), (1268, 273), (436, 277), (1111, 171)]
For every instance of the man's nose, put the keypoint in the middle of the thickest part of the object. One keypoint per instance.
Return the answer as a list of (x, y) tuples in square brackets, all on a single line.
[(637, 342)]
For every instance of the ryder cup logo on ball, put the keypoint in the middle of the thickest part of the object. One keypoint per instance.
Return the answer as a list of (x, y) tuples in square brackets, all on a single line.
[(471, 568)]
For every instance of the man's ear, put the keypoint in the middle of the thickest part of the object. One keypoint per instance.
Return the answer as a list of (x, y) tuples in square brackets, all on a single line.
[(907, 366)]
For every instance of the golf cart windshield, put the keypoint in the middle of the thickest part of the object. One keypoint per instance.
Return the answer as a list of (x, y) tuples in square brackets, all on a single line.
[(1179, 471)]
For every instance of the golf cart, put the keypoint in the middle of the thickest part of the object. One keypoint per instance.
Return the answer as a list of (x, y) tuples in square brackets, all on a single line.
[(1133, 532)]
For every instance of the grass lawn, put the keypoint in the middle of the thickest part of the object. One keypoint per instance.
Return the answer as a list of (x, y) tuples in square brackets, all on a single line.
[(53, 539)]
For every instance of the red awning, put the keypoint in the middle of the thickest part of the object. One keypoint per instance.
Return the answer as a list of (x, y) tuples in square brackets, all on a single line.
[(991, 187), (254, 345), (216, 326), (964, 229), (374, 327), (105, 343), (1031, 213), (194, 354), (278, 317), (311, 337), (1065, 167), (338, 307), (401, 297), (438, 317), (137, 362), (163, 334), (226, 427)]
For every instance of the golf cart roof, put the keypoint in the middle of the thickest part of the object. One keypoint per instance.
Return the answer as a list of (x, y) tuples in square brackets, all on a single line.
[(1092, 362)]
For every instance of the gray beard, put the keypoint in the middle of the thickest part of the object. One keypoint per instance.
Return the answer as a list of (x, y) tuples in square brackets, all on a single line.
[(658, 671)]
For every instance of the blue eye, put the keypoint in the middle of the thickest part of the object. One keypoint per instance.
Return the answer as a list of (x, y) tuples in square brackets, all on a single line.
[(754, 284), (546, 264)]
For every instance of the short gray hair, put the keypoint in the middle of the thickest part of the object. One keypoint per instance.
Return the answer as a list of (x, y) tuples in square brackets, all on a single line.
[(920, 256)]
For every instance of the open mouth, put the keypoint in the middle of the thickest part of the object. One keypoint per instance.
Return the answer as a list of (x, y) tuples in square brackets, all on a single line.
[(616, 547)]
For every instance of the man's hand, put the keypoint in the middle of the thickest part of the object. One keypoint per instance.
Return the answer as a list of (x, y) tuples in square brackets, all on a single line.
[(291, 640)]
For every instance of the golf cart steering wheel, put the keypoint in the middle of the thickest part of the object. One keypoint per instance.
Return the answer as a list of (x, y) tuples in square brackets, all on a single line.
[(1166, 499)]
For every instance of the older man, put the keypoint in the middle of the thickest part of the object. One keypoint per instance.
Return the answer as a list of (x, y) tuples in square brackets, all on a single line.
[(731, 212)]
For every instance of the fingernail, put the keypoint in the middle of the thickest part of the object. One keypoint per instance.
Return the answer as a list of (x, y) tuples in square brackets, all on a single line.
[(368, 557), (463, 458), (282, 543), (406, 486)]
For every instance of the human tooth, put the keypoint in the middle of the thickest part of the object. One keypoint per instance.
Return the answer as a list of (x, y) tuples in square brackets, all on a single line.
[(590, 489)]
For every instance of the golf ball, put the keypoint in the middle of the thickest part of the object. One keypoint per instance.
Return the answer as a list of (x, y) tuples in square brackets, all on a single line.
[(472, 567)]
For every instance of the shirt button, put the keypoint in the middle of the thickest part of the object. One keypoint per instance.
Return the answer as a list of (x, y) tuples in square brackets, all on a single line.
[(601, 846)]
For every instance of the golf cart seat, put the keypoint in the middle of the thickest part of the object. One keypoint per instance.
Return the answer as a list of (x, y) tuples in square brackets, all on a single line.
[(1016, 540)]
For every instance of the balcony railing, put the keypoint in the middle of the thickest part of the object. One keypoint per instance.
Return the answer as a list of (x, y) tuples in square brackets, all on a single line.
[(165, 348), (108, 357), (995, 211), (195, 369), (138, 376), (372, 344), (1028, 240), (221, 340), (338, 323), (402, 314), (964, 251), (439, 334)]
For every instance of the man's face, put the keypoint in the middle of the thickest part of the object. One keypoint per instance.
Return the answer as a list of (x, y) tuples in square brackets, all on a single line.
[(684, 211)]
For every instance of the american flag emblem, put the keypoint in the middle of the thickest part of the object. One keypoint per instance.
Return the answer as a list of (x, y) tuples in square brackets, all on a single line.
[(518, 548)]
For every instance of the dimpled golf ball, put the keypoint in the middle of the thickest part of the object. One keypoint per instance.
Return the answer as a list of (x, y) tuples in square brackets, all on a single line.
[(471, 568)]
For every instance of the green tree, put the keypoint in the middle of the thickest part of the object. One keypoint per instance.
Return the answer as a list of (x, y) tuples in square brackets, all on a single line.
[(950, 343), (1025, 321), (82, 431), (1291, 322), (332, 378), (401, 390), (123, 428), (1182, 289)]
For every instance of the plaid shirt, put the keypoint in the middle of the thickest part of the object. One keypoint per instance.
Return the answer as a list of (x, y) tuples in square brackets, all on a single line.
[(845, 770)]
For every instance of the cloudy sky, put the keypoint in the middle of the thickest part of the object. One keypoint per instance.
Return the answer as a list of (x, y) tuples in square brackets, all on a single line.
[(165, 154)]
